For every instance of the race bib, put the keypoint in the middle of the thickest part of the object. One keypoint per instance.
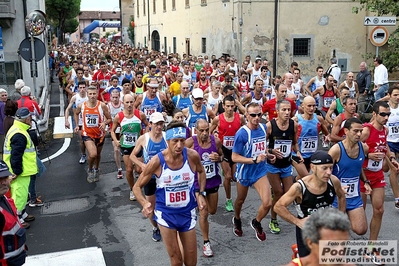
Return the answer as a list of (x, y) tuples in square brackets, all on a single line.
[(129, 138), (228, 142), (328, 101), (104, 83), (374, 165), (284, 146), (210, 169), (352, 187), (309, 144), (193, 131), (394, 130), (177, 197), (92, 120), (258, 146), (149, 111)]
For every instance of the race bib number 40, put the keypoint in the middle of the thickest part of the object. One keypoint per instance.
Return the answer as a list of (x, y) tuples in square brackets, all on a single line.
[(92, 120), (177, 197)]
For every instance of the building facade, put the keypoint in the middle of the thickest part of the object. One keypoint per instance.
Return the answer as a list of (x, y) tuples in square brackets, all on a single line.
[(308, 32), (12, 66)]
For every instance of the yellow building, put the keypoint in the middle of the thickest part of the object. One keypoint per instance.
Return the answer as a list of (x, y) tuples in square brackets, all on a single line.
[(308, 32)]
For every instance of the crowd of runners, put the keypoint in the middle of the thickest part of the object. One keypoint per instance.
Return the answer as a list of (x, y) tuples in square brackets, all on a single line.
[(187, 125)]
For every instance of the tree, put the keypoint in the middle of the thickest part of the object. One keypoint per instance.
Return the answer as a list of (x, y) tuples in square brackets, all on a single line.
[(381, 8), (61, 12), (130, 30), (71, 25)]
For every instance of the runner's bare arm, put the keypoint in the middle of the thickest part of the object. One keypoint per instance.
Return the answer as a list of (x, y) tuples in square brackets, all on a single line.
[(294, 193), (339, 192)]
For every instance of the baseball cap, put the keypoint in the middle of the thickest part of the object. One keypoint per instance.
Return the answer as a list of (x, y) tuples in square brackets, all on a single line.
[(321, 157), (4, 171), (197, 93), (125, 80), (19, 83), (156, 117), (22, 112)]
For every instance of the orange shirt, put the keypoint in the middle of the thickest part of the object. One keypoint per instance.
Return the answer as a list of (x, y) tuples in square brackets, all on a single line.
[(92, 117)]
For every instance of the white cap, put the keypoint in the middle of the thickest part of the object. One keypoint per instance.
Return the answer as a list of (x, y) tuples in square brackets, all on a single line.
[(156, 117), (19, 83), (25, 91), (197, 93)]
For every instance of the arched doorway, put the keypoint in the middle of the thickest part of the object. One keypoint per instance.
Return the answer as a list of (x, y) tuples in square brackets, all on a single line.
[(156, 42)]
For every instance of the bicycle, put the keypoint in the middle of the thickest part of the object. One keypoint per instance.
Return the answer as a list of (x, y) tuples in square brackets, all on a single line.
[(365, 108)]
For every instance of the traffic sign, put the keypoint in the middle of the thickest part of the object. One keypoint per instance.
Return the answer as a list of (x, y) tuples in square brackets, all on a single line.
[(379, 21), (25, 49), (379, 36)]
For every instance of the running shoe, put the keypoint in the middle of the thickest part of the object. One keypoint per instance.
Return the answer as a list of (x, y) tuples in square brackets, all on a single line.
[(325, 144), (132, 197), (207, 250), (82, 159), (237, 229), (120, 174), (96, 175), (260, 235), (274, 227), (229, 205), (37, 203), (156, 234), (90, 176), (397, 205)]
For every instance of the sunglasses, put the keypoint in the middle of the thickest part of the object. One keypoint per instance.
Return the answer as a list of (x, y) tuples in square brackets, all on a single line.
[(256, 115), (383, 114)]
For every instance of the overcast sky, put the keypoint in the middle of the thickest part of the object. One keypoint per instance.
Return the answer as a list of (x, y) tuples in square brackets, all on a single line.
[(93, 5)]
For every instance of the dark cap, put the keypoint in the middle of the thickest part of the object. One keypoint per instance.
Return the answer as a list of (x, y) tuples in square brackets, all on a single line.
[(125, 80), (22, 113), (4, 171), (321, 157)]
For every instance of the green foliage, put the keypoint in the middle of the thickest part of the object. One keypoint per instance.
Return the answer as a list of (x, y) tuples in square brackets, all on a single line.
[(390, 55), (71, 25), (130, 30), (60, 11)]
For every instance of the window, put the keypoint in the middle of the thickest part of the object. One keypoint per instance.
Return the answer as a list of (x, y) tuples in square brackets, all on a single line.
[(173, 4), (301, 47), (138, 8), (203, 2), (165, 40), (203, 45), (144, 7), (187, 3), (145, 41), (154, 8), (10, 71), (164, 5), (174, 45)]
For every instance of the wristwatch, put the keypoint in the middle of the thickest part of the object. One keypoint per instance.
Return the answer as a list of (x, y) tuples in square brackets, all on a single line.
[(254, 159), (203, 193)]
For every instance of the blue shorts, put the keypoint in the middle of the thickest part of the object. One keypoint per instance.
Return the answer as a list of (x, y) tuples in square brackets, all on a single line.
[(284, 172), (181, 222), (394, 146), (351, 203)]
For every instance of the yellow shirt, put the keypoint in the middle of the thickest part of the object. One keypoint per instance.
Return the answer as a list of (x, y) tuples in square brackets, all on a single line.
[(175, 88), (146, 78)]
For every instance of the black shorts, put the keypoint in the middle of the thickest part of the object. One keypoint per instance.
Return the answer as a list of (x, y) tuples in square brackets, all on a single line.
[(306, 161), (227, 155), (128, 151), (97, 141), (212, 190), (150, 187)]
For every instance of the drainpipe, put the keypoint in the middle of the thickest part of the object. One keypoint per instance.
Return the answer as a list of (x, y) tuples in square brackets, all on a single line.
[(275, 45)]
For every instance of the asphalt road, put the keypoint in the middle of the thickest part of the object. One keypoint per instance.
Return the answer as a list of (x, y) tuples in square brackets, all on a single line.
[(77, 214)]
